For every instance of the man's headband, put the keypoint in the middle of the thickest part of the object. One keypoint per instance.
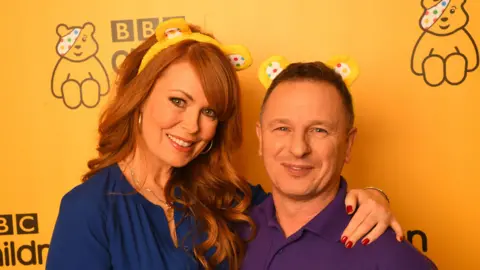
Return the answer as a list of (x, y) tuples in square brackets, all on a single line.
[(343, 65), (175, 30)]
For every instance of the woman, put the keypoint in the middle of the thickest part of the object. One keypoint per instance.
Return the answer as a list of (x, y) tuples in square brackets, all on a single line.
[(163, 193)]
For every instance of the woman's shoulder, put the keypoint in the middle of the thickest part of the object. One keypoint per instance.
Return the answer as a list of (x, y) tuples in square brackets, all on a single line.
[(80, 236), (258, 194), (94, 192)]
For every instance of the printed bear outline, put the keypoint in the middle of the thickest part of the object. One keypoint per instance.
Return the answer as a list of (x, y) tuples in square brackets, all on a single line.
[(436, 55), (79, 77)]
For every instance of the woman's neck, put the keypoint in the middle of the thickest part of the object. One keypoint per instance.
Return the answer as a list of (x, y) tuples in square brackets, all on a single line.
[(147, 170)]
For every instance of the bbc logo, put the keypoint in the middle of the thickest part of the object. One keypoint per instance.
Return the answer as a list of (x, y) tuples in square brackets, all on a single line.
[(124, 30), (18, 224)]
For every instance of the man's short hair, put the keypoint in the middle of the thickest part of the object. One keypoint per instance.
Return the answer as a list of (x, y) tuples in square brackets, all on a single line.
[(317, 72)]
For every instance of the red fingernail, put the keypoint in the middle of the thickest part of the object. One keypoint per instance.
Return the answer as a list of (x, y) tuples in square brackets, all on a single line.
[(349, 244), (349, 209), (344, 239), (401, 238), (365, 241)]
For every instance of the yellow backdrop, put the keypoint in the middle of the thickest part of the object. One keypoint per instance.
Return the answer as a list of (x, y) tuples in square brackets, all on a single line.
[(416, 141)]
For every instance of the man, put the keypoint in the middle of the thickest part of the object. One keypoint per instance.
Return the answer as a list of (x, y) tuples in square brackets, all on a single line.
[(306, 133)]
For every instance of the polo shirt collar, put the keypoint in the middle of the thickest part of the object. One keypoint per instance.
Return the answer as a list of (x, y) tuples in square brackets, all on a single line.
[(328, 224)]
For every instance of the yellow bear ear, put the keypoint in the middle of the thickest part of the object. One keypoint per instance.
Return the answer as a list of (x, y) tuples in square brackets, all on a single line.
[(172, 28), (346, 67), (270, 68), (239, 56)]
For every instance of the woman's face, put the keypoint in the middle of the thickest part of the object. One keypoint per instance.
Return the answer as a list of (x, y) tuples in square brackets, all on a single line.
[(177, 122)]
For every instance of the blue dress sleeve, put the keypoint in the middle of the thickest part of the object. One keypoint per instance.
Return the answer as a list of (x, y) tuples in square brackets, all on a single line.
[(258, 194), (79, 239)]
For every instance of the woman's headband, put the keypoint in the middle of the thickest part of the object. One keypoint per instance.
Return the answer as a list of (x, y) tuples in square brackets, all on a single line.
[(175, 30)]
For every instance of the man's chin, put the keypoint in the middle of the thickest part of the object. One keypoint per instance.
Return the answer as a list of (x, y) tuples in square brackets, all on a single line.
[(297, 194)]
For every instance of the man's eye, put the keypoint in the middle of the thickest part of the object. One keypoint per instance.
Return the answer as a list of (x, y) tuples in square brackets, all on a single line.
[(320, 130), (282, 128)]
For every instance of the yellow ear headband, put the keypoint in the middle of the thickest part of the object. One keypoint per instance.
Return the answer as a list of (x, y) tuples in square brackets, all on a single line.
[(176, 30), (343, 65)]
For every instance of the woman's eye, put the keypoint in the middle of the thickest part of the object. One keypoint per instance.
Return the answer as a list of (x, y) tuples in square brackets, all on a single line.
[(210, 113), (178, 102)]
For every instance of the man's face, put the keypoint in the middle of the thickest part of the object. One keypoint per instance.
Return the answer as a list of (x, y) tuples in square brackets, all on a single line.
[(304, 138)]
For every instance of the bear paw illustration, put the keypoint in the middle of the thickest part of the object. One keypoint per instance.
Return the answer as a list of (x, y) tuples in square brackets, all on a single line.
[(433, 71), (71, 94), (90, 89), (456, 68)]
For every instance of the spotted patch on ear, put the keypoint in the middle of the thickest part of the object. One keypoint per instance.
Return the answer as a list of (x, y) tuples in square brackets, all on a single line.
[(239, 56), (270, 69), (346, 67), (172, 28)]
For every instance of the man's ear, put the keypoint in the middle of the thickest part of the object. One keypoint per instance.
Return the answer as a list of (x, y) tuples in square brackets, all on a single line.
[(258, 129), (350, 139)]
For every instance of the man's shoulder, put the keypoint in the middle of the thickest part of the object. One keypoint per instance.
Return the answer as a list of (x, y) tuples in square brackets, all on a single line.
[(390, 254)]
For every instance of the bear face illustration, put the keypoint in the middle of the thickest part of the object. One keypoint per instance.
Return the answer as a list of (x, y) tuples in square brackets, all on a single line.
[(444, 17), (76, 44)]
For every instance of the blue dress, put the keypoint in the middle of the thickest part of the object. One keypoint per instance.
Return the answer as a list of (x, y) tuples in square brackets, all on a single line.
[(97, 229)]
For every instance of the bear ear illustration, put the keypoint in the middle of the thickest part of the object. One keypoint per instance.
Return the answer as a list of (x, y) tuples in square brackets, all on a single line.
[(346, 67), (89, 27), (62, 30), (172, 28), (270, 68), (239, 56)]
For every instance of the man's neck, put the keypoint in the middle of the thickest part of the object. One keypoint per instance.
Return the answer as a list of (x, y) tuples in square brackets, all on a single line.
[(293, 214)]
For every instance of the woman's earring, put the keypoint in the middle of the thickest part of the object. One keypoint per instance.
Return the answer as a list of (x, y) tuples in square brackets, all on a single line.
[(209, 148), (140, 121)]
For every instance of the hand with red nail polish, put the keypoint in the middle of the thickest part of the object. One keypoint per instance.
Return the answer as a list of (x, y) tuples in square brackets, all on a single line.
[(349, 244), (370, 216)]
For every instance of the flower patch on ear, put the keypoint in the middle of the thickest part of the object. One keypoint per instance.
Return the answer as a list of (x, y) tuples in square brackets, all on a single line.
[(346, 67), (172, 28), (270, 69), (239, 56)]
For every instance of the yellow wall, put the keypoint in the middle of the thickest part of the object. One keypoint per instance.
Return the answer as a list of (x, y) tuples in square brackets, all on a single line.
[(415, 141)]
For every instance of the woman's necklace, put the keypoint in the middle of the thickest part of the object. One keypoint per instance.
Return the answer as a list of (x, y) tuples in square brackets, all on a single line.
[(169, 206), (169, 211)]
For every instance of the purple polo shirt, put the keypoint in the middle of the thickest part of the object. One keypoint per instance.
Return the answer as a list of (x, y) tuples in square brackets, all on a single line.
[(317, 246)]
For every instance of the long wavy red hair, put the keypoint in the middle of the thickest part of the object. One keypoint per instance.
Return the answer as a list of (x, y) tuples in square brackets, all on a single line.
[(210, 187)]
